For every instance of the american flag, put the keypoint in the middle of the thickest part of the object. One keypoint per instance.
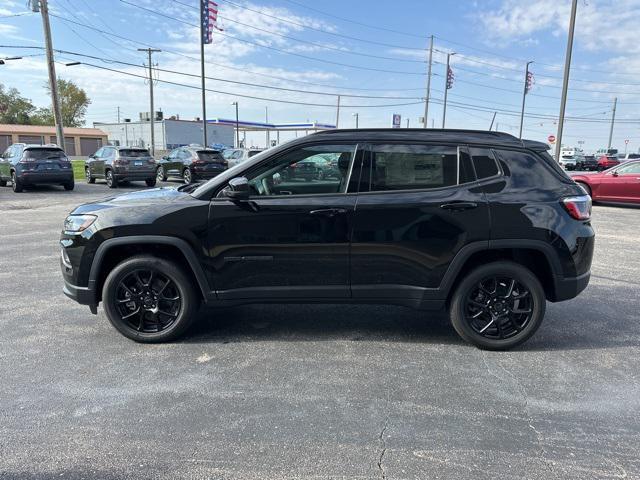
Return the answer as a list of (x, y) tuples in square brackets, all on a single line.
[(209, 17)]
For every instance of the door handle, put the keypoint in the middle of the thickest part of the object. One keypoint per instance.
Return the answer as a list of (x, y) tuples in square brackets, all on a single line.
[(458, 206), (328, 212)]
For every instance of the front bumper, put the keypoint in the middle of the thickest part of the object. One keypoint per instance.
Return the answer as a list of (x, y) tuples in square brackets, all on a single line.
[(82, 295)]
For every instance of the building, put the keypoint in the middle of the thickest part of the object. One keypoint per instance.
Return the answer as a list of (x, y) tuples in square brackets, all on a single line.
[(78, 141), (169, 133)]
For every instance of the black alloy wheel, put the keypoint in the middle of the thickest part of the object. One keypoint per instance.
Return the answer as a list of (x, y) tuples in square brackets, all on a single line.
[(87, 175), (498, 305), (149, 299)]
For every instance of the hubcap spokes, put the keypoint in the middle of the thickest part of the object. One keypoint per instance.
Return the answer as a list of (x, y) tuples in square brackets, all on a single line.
[(498, 307), (148, 301)]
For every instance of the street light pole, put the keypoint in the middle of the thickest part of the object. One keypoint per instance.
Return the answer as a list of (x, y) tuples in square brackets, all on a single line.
[(266, 119), (613, 121), (53, 82), (426, 101), (357, 116), (152, 113), (237, 125), (524, 95), (446, 88), (565, 81)]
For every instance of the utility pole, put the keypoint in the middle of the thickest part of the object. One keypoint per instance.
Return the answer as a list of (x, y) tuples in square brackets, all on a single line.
[(53, 82), (118, 114), (446, 89), (565, 81), (338, 112), (613, 120), (426, 100), (152, 114), (237, 125), (524, 95), (407, 123), (356, 115), (266, 119), (202, 80)]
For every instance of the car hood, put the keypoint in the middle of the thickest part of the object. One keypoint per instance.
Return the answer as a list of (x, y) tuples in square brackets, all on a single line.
[(155, 197)]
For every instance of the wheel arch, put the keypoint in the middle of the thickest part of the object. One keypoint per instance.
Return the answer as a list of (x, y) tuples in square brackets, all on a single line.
[(115, 250)]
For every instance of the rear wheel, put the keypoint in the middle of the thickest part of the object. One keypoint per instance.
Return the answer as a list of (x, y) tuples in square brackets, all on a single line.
[(151, 182), (186, 176), (112, 182), (69, 185), (161, 176), (149, 299), (16, 185), (498, 306), (87, 175)]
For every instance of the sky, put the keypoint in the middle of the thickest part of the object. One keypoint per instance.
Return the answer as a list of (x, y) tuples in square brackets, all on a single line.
[(357, 49)]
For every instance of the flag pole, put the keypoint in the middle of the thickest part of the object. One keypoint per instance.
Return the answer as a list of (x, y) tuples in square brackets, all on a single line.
[(203, 19)]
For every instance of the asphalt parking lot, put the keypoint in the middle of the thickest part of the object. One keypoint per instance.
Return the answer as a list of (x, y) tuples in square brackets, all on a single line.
[(288, 392)]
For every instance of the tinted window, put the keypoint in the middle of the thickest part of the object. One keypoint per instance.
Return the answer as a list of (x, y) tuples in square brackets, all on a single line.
[(254, 152), (528, 171), (413, 167), (484, 162), (134, 153), (210, 156), (466, 169), (44, 153)]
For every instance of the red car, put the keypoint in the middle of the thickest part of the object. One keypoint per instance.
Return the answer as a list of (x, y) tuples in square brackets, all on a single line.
[(620, 184), (607, 161)]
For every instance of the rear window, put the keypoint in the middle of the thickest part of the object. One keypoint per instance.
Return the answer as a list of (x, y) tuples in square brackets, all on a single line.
[(44, 153), (484, 163), (210, 156), (254, 152), (633, 156), (134, 153)]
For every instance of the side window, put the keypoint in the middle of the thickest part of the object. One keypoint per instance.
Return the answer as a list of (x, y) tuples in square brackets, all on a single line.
[(484, 162), (317, 169), (412, 167), (184, 155), (99, 153), (633, 169), (110, 153)]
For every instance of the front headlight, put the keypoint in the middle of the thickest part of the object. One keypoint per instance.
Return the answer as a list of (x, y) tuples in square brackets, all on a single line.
[(78, 223)]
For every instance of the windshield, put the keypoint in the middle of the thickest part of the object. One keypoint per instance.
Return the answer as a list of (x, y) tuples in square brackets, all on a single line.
[(134, 153), (44, 153)]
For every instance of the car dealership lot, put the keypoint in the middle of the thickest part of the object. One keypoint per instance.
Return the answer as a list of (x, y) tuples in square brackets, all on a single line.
[(311, 391)]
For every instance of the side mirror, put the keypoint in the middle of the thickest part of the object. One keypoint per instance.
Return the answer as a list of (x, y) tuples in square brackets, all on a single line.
[(238, 188), (166, 157), (93, 155)]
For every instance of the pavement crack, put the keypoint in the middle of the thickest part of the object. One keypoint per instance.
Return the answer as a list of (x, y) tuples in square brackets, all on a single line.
[(383, 442)]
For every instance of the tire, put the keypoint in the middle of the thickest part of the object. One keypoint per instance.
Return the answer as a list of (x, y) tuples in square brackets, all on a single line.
[(160, 175), (3, 183), (16, 185), (87, 175), (69, 186), (112, 182), (586, 187), (527, 293), (187, 177), (181, 286), (151, 182)]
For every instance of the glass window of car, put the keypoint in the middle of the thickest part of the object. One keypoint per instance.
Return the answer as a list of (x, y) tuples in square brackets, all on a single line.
[(133, 153), (99, 153), (484, 162), (44, 153), (317, 169), (184, 154), (210, 156), (633, 156), (413, 167), (109, 153), (629, 169)]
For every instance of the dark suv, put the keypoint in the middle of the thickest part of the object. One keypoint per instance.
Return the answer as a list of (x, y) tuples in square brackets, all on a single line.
[(120, 164), (23, 164), (191, 163), (481, 223)]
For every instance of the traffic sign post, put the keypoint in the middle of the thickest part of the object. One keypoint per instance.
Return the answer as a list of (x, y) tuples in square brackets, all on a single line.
[(397, 120)]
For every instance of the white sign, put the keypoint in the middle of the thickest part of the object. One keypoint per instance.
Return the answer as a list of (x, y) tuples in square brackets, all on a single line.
[(397, 119)]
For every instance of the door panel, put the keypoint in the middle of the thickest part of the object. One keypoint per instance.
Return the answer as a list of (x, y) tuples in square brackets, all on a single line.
[(404, 240), (625, 187)]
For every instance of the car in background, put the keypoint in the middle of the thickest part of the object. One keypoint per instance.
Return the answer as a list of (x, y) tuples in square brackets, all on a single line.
[(319, 167), (23, 164), (589, 162), (236, 156), (625, 157), (121, 164), (607, 161), (620, 184), (191, 164)]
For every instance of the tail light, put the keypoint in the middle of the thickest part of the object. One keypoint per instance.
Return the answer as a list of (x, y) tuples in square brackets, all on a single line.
[(27, 160), (579, 207), (120, 161)]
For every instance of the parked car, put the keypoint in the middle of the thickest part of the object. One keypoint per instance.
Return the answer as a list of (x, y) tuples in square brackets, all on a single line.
[(191, 163), (481, 223), (620, 184), (239, 155), (607, 161), (625, 157), (23, 164), (120, 164), (589, 162), (317, 168)]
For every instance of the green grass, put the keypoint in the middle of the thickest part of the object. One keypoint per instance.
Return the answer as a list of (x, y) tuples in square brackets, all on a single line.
[(78, 169)]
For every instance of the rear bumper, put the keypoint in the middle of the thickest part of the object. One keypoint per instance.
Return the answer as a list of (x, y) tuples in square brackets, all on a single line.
[(142, 175), (54, 177), (570, 287)]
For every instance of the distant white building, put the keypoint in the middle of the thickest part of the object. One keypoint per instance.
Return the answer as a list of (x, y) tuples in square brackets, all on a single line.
[(169, 133)]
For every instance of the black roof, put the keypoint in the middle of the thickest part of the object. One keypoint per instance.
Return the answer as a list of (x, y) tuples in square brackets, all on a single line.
[(483, 137)]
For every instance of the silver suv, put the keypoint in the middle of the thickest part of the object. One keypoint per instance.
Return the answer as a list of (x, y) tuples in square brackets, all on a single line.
[(119, 164)]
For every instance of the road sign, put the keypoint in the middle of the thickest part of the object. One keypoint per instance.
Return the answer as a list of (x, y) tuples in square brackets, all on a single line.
[(626, 141), (397, 119), (551, 138)]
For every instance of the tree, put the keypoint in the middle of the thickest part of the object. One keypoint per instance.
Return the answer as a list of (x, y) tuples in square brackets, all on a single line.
[(73, 104), (14, 108)]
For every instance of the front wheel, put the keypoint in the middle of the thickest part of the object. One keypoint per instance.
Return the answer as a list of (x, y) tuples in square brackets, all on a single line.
[(149, 299), (161, 176), (498, 306), (186, 176), (112, 182), (88, 176)]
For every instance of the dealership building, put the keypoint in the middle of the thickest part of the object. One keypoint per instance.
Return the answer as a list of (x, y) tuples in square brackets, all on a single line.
[(77, 141)]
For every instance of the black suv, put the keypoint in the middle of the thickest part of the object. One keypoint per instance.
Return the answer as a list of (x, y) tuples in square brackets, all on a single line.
[(23, 164), (191, 163), (121, 164), (481, 223)]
